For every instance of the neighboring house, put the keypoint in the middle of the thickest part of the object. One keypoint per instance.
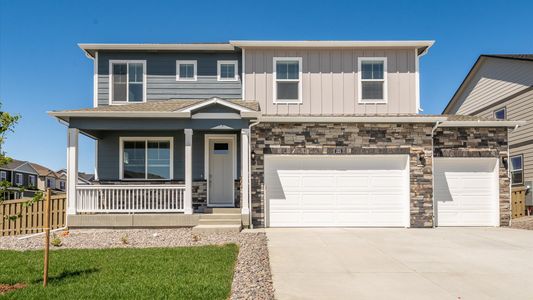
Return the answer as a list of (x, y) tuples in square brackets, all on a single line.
[(21, 175), (286, 133), (501, 86), (50, 179), (83, 178)]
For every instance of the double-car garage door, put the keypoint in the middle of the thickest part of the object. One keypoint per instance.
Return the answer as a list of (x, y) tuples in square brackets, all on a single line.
[(373, 191), (347, 190)]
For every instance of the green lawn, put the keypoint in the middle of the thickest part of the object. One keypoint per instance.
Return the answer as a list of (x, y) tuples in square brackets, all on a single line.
[(154, 273)]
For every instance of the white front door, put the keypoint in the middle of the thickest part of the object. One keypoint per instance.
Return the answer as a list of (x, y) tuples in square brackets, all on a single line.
[(466, 191), (220, 171), (342, 190)]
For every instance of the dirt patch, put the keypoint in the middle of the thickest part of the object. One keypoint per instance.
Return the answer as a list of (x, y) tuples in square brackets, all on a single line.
[(4, 288)]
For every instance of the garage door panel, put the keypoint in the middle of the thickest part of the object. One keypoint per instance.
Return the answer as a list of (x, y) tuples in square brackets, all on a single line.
[(337, 190), (466, 191)]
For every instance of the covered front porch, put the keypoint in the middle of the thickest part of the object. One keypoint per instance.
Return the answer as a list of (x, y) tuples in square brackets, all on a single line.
[(160, 168)]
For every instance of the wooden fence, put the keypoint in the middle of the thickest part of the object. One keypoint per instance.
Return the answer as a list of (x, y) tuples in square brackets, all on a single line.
[(518, 202), (31, 217)]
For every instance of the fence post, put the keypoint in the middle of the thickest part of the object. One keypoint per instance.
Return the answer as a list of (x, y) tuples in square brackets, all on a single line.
[(46, 235)]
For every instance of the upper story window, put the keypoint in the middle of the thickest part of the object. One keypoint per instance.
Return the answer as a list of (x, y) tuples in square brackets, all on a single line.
[(146, 158), (500, 114), (372, 79), (18, 179), (61, 185), (32, 180), (287, 80), (127, 81), (50, 183), (186, 70), (227, 70), (517, 169), (3, 175)]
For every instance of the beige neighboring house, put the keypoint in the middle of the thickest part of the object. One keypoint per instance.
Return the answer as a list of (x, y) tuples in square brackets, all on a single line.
[(49, 179)]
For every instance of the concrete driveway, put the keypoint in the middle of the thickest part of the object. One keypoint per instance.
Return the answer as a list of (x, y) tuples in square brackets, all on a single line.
[(442, 263)]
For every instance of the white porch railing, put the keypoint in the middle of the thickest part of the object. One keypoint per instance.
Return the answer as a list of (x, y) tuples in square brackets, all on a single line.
[(130, 198)]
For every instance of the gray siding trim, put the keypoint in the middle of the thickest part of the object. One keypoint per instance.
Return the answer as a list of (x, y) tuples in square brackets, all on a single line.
[(109, 152), (161, 75)]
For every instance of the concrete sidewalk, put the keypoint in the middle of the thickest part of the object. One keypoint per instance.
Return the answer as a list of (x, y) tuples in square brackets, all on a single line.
[(442, 263)]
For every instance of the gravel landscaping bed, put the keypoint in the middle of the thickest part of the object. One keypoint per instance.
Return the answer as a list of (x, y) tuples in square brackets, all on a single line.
[(523, 223), (252, 278)]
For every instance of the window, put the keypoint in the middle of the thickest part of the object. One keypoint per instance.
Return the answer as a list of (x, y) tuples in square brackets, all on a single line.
[(372, 79), (3, 175), (220, 148), (227, 70), (500, 114), (61, 185), (517, 170), (127, 81), (50, 183), (32, 179), (287, 83), (186, 70), (146, 158), (18, 179)]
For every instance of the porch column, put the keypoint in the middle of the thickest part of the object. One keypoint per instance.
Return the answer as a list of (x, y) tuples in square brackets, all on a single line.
[(72, 169), (245, 176), (188, 172)]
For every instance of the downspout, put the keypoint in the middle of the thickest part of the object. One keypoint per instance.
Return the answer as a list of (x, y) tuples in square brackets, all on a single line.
[(250, 172), (433, 171)]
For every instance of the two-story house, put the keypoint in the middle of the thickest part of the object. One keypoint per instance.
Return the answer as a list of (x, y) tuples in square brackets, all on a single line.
[(20, 174), (501, 86), (283, 134), (49, 179)]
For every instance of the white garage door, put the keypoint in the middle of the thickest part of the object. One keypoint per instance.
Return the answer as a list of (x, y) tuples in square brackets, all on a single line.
[(466, 191), (350, 190)]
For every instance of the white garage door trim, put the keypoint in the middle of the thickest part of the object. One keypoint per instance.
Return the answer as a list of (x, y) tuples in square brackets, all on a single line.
[(354, 165), (472, 179)]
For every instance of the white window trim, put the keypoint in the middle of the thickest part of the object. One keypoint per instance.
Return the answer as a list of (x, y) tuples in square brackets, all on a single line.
[(110, 72), (511, 170), (3, 175), (228, 62), (194, 63), (360, 80), (504, 113), (123, 139), (275, 81), (32, 181), (17, 177)]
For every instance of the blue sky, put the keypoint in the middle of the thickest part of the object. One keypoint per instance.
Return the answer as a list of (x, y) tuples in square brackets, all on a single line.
[(42, 69)]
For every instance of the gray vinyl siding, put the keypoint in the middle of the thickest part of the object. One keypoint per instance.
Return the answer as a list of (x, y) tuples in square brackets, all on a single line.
[(109, 152), (161, 75), (330, 81), (494, 80)]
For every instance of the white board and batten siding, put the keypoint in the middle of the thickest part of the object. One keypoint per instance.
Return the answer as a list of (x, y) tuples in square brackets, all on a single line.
[(337, 191), (330, 81), (466, 191)]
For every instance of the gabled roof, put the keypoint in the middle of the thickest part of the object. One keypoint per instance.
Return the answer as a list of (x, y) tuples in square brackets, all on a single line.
[(44, 171), (473, 70), (17, 165), (175, 108)]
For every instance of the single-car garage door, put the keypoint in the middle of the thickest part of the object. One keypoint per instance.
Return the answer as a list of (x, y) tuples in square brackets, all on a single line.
[(466, 191), (341, 190)]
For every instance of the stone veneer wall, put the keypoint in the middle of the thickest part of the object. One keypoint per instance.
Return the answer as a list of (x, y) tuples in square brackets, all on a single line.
[(348, 139), (199, 194), (478, 142), (358, 138)]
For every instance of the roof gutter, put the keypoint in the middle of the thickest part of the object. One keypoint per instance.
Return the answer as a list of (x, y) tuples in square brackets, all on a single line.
[(362, 119), (482, 123)]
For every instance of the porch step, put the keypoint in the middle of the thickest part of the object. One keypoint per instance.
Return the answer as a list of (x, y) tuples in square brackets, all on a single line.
[(216, 228), (222, 210), (219, 222), (220, 216)]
